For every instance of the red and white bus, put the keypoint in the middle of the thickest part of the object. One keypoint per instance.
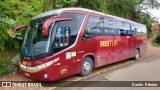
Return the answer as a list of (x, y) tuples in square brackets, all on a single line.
[(68, 41)]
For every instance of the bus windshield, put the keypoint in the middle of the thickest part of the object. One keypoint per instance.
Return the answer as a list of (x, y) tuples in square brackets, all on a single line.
[(34, 43), (61, 35)]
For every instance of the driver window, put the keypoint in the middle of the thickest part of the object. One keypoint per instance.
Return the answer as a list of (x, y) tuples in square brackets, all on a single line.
[(62, 37)]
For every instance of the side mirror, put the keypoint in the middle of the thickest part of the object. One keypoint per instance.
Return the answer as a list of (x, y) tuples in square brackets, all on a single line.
[(19, 27), (47, 23)]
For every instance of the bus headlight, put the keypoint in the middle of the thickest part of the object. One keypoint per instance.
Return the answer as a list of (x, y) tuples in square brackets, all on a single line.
[(45, 76)]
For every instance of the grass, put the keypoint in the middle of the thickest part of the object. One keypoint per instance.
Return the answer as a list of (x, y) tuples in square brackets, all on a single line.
[(154, 43), (5, 67), (7, 55), (5, 62)]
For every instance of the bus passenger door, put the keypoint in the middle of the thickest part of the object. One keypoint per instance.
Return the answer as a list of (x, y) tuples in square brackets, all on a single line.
[(121, 46), (131, 41), (107, 46), (130, 45), (104, 50)]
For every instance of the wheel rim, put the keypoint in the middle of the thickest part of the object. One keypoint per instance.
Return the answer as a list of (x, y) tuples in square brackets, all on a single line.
[(86, 66), (137, 54)]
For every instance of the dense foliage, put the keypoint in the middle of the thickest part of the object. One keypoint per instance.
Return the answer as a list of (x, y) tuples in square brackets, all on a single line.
[(158, 38), (16, 12)]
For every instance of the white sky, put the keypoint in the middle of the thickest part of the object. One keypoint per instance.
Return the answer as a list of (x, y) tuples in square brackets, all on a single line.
[(155, 12)]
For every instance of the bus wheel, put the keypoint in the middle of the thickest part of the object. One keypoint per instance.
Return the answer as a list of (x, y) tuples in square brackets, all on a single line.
[(86, 67), (137, 54)]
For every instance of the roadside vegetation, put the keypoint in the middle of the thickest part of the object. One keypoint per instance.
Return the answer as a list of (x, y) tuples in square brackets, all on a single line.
[(156, 41), (5, 67), (16, 12), (6, 62)]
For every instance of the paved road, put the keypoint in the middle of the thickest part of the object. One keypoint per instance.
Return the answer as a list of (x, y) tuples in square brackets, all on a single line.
[(142, 70)]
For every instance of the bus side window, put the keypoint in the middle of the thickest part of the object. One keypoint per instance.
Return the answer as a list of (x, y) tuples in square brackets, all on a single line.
[(62, 38), (96, 32), (116, 32), (133, 29), (87, 34), (108, 32), (129, 33), (110, 27), (94, 27), (123, 32), (93, 32)]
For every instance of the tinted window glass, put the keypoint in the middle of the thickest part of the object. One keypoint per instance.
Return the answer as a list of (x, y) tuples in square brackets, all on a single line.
[(110, 28), (109, 23), (108, 31), (116, 32), (94, 27), (96, 31), (74, 24), (123, 32), (62, 38), (133, 29), (67, 31), (123, 25), (144, 29), (130, 33)]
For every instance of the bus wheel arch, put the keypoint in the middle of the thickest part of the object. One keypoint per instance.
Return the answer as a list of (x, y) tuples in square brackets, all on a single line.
[(87, 65), (93, 60)]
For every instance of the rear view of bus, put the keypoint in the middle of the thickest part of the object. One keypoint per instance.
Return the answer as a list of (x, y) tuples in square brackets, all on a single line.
[(64, 42)]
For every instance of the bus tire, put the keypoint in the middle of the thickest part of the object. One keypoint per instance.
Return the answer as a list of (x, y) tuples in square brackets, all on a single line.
[(137, 54), (86, 67)]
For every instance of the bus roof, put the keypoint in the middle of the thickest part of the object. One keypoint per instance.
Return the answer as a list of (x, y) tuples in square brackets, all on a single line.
[(58, 11)]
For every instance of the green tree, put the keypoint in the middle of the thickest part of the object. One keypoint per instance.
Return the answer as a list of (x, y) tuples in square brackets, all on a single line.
[(146, 19), (15, 12), (54, 4)]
